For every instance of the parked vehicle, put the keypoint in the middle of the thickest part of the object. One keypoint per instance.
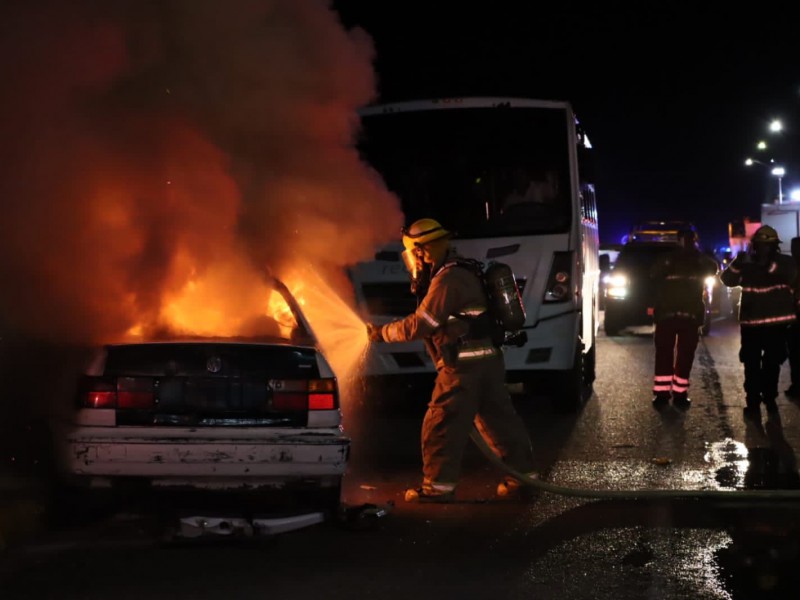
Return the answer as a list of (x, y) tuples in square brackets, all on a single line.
[(212, 415), (630, 292), (608, 258), (659, 231)]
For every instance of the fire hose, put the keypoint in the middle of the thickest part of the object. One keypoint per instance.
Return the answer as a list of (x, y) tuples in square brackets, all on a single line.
[(647, 494)]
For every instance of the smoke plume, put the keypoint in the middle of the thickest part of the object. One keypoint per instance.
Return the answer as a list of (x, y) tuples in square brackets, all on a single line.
[(157, 149)]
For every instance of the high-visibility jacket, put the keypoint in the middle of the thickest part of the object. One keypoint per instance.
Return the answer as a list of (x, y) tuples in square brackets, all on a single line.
[(767, 296), (680, 279), (455, 297)]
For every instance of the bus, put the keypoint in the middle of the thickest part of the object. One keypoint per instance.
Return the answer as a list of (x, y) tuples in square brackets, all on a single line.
[(512, 178)]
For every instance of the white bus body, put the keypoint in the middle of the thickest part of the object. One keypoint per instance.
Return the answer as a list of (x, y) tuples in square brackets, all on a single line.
[(455, 161)]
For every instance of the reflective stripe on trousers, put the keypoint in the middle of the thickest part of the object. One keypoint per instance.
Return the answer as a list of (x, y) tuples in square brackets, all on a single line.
[(675, 342)]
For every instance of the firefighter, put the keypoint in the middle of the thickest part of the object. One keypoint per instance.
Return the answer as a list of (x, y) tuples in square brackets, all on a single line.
[(679, 313), (793, 346), (766, 310), (453, 321)]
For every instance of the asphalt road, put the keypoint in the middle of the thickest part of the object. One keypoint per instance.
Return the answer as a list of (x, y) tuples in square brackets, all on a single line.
[(547, 546)]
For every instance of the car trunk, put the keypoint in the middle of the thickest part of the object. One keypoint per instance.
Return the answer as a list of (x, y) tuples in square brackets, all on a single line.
[(209, 384)]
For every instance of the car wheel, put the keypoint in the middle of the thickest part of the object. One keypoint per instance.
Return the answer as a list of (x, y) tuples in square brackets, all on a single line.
[(612, 324), (705, 328)]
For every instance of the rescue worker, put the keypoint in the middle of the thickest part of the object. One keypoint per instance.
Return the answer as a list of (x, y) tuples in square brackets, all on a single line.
[(679, 313), (766, 310), (453, 322), (793, 334)]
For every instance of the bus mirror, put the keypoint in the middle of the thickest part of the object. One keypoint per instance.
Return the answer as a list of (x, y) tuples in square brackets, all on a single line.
[(605, 263)]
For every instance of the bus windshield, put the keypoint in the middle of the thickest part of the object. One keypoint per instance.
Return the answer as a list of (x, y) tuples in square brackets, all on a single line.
[(487, 172)]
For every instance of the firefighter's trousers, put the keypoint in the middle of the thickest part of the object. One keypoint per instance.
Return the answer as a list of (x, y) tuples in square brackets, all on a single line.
[(675, 340), (471, 392), (763, 352), (793, 344)]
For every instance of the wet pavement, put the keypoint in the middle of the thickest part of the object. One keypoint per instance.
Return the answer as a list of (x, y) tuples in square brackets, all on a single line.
[(742, 543)]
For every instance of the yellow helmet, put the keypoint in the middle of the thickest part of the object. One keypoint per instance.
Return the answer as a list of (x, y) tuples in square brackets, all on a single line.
[(765, 234), (421, 232)]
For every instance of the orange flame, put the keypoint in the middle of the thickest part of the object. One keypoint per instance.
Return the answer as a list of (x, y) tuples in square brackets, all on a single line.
[(232, 299)]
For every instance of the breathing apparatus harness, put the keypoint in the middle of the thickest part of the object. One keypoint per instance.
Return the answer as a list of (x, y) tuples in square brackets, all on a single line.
[(505, 314)]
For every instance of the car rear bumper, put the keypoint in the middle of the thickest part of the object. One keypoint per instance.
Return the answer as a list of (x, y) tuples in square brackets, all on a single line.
[(201, 458)]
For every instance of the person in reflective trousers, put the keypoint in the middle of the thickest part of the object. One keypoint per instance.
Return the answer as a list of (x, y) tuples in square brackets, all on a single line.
[(470, 370), (793, 334), (766, 309), (679, 313)]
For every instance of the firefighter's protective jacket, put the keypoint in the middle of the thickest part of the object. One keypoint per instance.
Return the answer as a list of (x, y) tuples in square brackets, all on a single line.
[(455, 297), (680, 279), (767, 295)]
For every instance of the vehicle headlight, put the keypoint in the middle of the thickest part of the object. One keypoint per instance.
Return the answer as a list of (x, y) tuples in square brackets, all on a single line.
[(617, 286), (710, 281)]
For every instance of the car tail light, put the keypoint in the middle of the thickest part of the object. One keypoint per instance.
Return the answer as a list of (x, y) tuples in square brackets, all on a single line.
[(559, 282), (135, 392), (98, 399), (123, 392), (322, 394), (312, 394)]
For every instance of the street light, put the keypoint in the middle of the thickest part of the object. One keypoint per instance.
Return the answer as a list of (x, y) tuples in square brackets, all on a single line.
[(752, 161), (776, 126)]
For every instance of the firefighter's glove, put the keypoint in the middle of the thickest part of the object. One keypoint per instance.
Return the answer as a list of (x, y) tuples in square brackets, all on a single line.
[(374, 333)]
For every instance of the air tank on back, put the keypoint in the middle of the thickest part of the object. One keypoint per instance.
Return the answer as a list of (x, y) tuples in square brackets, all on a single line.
[(504, 296)]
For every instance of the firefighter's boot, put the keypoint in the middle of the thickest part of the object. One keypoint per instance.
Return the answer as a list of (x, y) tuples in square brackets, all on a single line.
[(429, 492), (512, 487)]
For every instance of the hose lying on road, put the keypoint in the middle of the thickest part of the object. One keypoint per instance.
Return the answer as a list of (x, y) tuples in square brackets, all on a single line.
[(659, 494)]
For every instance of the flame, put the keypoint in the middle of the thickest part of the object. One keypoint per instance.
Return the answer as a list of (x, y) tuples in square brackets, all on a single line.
[(232, 299)]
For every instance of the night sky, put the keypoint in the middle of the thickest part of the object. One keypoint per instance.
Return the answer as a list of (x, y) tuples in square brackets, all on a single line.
[(674, 96)]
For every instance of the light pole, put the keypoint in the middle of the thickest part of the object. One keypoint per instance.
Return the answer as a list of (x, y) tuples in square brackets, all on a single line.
[(779, 172), (775, 170)]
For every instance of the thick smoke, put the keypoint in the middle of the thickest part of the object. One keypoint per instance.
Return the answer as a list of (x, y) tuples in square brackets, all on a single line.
[(152, 148)]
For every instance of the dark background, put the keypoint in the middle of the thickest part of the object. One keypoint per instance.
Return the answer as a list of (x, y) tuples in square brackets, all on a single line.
[(674, 96)]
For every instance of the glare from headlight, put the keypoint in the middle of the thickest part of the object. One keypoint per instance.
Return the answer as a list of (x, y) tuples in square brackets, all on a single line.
[(618, 280), (617, 286), (710, 281)]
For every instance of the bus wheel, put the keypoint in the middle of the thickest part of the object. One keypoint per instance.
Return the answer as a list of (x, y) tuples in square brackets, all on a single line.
[(590, 365), (572, 391)]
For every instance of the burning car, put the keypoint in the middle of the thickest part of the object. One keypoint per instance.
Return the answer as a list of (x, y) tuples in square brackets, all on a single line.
[(254, 415)]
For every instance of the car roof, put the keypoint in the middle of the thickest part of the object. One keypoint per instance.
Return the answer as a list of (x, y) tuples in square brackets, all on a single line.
[(659, 231)]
